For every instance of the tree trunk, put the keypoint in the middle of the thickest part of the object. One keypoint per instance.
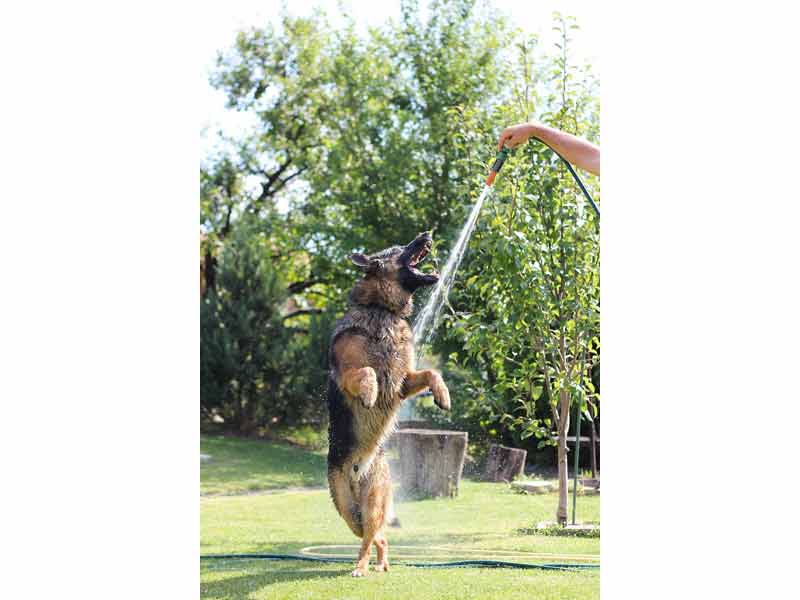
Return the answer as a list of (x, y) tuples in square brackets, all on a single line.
[(593, 434), (431, 461), (504, 463), (561, 513), (209, 266)]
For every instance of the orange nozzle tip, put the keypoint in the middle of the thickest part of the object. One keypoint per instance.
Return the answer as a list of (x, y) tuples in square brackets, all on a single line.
[(490, 178)]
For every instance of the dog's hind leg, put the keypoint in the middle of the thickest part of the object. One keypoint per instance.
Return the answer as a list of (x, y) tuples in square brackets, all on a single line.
[(382, 547), (344, 501), (375, 507), (381, 543), (372, 522)]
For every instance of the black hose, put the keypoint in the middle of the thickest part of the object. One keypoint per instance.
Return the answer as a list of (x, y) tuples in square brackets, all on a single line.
[(575, 175), (494, 564)]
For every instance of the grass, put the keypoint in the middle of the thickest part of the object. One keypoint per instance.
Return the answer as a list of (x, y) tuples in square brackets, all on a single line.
[(257, 579), (486, 517), (238, 466)]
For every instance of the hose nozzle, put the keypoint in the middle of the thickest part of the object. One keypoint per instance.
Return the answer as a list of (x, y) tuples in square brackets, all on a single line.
[(499, 159)]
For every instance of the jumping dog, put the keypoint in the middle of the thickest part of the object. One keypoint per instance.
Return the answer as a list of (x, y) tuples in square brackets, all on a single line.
[(371, 372)]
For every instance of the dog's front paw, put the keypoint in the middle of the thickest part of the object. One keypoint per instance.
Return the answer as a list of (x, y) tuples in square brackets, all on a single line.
[(441, 395), (359, 572), (368, 387)]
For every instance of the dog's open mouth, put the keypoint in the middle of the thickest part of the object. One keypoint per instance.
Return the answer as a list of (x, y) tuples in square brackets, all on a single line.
[(417, 258)]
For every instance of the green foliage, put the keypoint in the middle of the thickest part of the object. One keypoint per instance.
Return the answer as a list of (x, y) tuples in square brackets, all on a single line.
[(355, 147), (524, 320), (306, 376), (242, 352), (355, 135), (263, 359), (362, 141)]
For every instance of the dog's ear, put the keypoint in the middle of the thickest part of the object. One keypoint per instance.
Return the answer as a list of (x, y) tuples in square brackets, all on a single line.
[(360, 260), (363, 262)]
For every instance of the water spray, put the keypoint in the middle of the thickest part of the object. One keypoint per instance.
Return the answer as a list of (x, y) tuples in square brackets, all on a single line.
[(428, 318)]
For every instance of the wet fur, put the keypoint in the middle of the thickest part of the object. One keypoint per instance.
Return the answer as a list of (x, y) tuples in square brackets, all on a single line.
[(372, 372)]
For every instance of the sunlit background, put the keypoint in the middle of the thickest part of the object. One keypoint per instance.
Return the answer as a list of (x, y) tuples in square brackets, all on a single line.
[(221, 21)]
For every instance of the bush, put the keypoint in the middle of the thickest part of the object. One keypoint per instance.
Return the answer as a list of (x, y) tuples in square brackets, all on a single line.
[(242, 337), (307, 373), (479, 409)]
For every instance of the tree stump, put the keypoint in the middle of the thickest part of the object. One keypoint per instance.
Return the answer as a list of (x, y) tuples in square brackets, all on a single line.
[(504, 463), (431, 461)]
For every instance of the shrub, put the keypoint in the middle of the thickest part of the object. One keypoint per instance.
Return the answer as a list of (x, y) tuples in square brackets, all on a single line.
[(242, 337)]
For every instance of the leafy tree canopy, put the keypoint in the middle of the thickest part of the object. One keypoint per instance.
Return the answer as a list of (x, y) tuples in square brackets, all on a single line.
[(362, 141)]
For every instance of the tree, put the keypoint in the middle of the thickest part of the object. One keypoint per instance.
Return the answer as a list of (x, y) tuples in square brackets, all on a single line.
[(527, 314), (242, 337), (361, 141), (354, 137), (354, 148)]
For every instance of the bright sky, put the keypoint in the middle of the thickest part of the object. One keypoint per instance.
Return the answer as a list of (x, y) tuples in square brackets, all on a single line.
[(219, 22)]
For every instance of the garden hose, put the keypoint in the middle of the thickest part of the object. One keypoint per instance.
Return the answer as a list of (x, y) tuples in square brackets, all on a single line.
[(502, 155), (491, 564), (577, 179)]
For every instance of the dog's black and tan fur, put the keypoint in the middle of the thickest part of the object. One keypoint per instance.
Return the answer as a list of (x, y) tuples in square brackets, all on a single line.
[(372, 372)]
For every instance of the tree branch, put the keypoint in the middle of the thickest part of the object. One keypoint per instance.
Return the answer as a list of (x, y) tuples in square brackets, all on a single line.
[(305, 311), (266, 187), (299, 286), (283, 182), (227, 227)]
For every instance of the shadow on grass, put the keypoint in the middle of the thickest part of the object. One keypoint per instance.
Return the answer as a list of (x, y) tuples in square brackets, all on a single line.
[(262, 574)]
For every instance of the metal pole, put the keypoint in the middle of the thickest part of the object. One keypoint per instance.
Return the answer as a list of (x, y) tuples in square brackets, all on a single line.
[(594, 448), (577, 454)]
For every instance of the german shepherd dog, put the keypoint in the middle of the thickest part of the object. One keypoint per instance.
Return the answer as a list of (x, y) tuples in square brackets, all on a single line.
[(371, 373)]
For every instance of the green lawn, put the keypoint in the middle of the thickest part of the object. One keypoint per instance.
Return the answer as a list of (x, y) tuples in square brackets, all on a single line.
[(239, 466), (485, 517)]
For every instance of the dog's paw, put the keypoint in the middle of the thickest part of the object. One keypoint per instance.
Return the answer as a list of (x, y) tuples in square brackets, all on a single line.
[(359, 572), (441, 395), (382, 567), (368, 387)]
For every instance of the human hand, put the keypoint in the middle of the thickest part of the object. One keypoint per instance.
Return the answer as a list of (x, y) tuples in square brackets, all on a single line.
[(515, 135)]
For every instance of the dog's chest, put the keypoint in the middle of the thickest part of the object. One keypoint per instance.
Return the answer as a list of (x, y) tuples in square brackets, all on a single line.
[(388, 351), (388, 348)]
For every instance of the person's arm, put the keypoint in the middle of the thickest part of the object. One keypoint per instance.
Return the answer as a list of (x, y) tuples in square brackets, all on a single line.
[(577, 151)]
